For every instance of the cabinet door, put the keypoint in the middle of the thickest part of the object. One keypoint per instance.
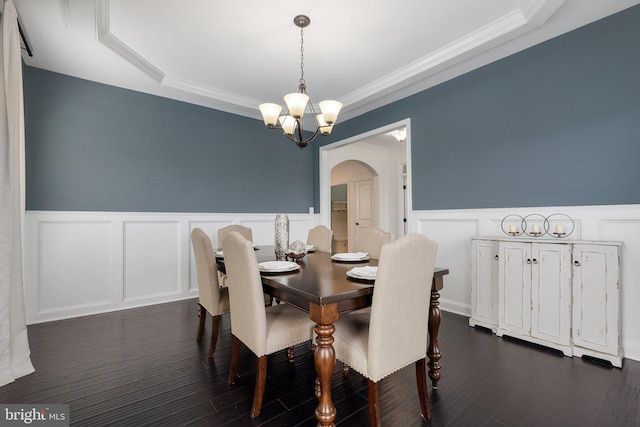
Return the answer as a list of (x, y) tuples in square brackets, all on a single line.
[(596, 297), (551, 292), (484, 283), (514, 287)]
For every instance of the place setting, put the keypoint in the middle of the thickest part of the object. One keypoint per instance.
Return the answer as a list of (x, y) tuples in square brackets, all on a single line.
[(366, 274), (270, 267), (351, 257)]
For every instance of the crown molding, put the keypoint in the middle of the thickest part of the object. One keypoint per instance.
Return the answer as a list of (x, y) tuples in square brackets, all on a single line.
[(224, 97), (65, 15), (532, 15), (216, 99), (189, 92), (115, 44)]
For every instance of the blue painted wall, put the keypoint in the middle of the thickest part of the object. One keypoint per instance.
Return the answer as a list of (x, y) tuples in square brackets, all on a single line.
[(92, 147), (555, 125)]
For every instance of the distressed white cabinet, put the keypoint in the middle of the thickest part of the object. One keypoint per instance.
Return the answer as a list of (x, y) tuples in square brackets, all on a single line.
[(551, 294), (484, 291), (514, 289), (556, 293), (534, 301), (596, 302)]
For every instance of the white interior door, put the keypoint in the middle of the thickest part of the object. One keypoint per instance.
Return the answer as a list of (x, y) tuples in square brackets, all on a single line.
[(364, 213)]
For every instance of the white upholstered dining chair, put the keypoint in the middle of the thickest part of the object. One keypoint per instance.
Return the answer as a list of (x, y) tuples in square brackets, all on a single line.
[(264, 330), (244, 231), (211, 298), (222, 233), (394, 333), (371, 240), (321, 237)]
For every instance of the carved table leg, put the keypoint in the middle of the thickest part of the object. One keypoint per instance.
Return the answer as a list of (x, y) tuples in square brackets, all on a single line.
[(317, 390), (434, 325), (325, 360)]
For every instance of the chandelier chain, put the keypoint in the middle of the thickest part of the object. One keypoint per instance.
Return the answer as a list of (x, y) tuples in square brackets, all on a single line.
[(302, 82)]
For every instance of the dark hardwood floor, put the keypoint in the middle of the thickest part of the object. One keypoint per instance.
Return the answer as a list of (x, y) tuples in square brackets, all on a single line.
[(143, 367)]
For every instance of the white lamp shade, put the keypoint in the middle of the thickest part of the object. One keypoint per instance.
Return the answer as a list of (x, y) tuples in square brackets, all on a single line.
[(288, 124), (270, 113), (330, 110), (325, 129), (296, 103)]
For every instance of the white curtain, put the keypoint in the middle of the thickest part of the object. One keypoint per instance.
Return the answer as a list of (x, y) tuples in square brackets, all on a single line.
[(15, 356)]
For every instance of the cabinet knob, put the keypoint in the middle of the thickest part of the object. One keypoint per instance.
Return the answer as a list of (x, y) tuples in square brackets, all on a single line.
[(576, 263), (528, 260), (535, 261), (496, 257)]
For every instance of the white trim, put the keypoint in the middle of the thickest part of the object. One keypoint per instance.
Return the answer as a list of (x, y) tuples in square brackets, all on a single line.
[(119, 47), (326, 164)]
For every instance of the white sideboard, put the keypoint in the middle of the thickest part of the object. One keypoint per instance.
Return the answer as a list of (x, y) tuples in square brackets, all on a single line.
[(559, 293)]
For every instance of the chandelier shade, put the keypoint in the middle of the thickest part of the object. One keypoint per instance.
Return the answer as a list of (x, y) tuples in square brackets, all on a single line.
[(298, 104), (288, 124), (330, 110), (270, 113)]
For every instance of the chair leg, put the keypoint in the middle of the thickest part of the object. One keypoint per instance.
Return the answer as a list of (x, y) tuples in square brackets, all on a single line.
[(215, 328), (235, 358), (374, 404), (261, 381), (423, 393), (203, 317)]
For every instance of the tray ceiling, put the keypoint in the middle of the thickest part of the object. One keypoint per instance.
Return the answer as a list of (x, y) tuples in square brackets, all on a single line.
[(231, 56)]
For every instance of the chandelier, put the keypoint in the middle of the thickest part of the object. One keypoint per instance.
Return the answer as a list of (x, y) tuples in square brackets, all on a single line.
[(292, 123)]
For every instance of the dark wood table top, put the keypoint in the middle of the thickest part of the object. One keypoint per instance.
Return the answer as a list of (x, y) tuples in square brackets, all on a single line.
[(320, 281)]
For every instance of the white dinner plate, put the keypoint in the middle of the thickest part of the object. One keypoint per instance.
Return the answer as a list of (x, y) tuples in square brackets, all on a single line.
[(277, 266), (350, 256), (353, 276), (311, 248), (367, 272)]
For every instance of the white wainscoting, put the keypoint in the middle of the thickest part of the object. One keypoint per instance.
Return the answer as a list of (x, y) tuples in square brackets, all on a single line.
[(453, 229), (80, 263)]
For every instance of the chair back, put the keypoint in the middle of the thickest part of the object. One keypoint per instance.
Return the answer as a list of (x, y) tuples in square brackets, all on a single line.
[(400, 308), (321, 237), (248, 315), (244, 231), (371, 240), (206, 270)]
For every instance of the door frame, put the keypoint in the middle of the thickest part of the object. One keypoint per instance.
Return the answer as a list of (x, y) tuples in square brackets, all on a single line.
[(325, 167)]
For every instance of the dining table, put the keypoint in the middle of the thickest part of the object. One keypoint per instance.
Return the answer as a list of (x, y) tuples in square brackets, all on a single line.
[(322, 288)]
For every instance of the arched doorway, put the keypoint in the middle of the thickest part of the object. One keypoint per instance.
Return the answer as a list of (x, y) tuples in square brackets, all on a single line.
[(354, 201), (389, 159)]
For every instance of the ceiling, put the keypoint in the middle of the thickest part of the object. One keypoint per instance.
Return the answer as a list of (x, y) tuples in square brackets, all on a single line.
[(233, 55)]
